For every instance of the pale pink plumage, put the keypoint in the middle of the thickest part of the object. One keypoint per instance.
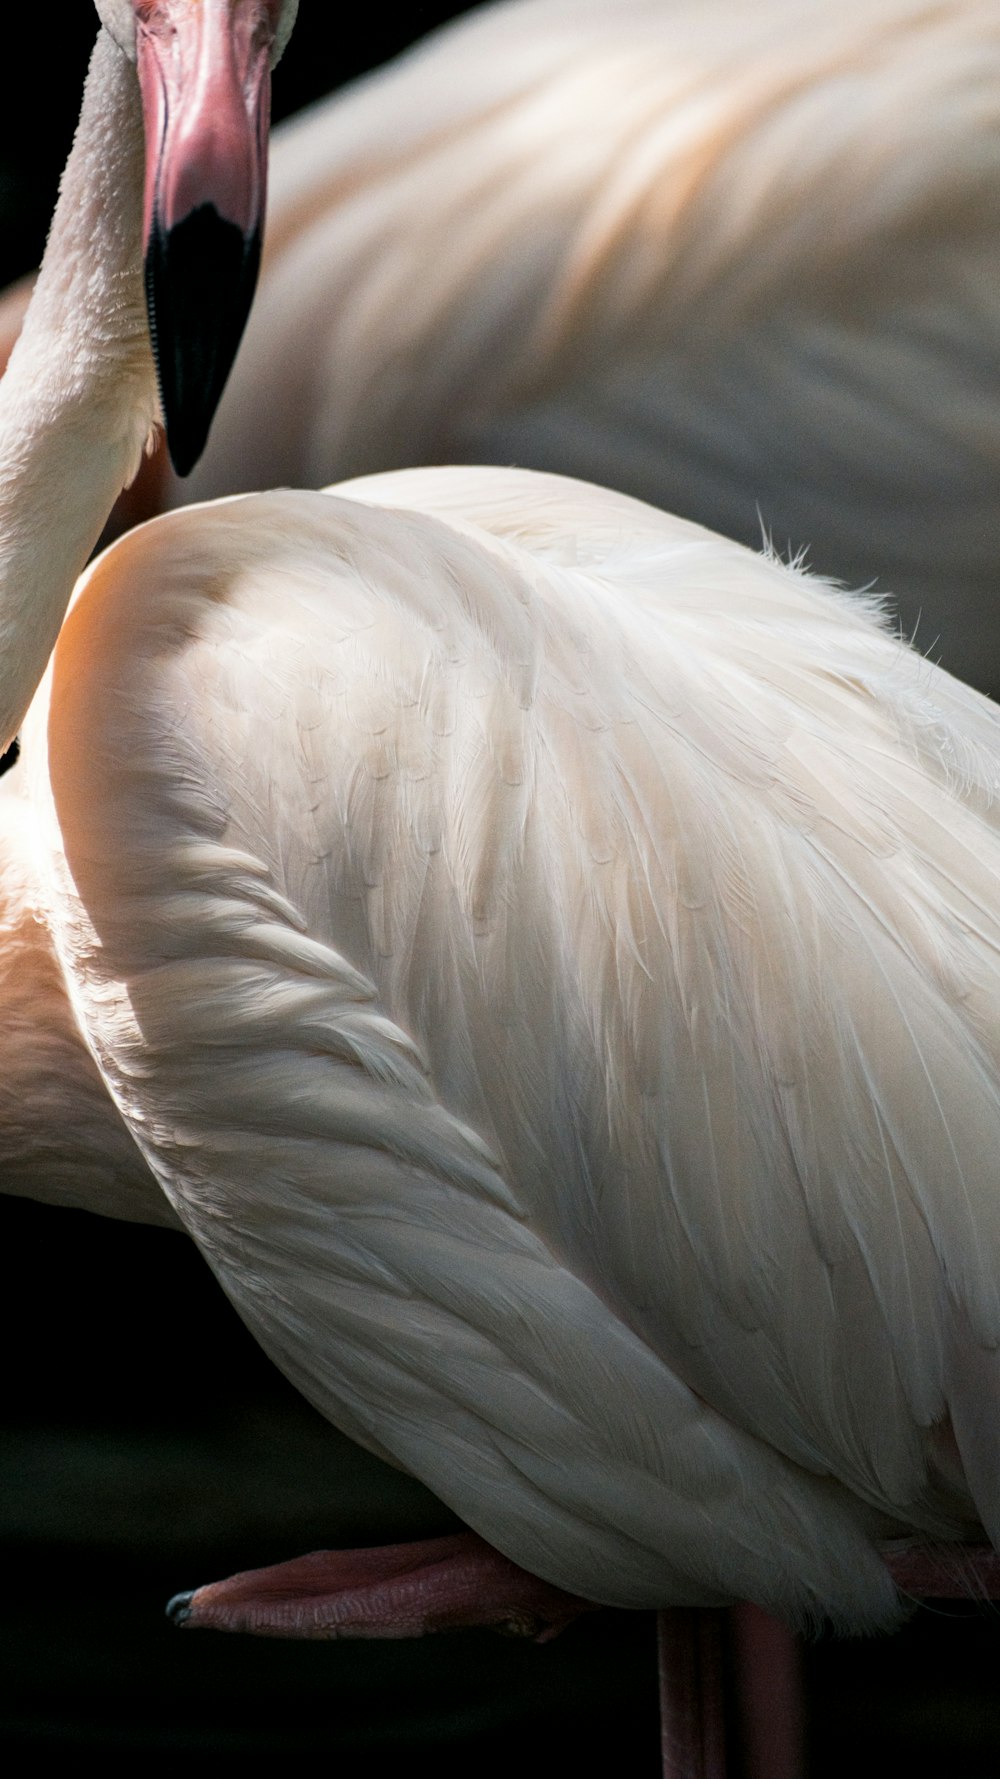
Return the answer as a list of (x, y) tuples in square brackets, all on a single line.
[(547, 957)]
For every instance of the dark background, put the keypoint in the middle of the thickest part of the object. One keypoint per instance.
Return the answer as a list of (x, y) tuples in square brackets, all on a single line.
[(50, 51), (149, 1446)]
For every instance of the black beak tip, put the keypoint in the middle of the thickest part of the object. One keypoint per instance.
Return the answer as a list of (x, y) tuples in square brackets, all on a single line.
[(200, 280)]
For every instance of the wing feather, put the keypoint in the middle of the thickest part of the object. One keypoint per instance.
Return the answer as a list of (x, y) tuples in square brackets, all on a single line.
[(573, 1044)]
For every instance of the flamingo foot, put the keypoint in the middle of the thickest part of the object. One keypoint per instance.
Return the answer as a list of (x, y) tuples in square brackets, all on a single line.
[(395, 1590)]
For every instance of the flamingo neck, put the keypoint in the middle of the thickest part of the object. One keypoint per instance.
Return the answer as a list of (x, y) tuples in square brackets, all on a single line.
[(78, 399)]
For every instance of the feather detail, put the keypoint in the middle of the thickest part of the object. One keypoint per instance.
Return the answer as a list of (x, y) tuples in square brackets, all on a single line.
[(564, 1018), (739, 261)]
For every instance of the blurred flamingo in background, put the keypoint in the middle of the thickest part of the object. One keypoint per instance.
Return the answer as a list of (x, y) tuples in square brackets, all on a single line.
[(742, 262)]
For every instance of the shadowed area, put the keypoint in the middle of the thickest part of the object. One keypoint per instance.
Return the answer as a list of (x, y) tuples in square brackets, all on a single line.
[(149, 1446)]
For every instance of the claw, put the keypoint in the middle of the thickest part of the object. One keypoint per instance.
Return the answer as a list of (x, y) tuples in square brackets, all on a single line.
[(179, 1607)]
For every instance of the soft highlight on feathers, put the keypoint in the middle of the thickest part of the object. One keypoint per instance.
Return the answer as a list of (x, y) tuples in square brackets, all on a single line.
[(573, 1045), (545, 954)]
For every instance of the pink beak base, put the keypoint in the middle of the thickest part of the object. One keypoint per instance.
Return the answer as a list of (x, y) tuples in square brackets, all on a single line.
[(204, 74)]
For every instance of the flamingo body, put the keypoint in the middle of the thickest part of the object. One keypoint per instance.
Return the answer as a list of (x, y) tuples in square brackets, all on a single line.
[(544, 953)]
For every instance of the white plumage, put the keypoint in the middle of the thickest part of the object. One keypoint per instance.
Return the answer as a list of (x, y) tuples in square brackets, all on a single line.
[(547, 957), (740, 261)]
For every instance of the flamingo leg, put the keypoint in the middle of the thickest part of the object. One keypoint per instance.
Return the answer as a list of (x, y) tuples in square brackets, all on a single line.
[(692, 1702), (770, 1698), (766, 1669), (396, 1590), (412, 1590)]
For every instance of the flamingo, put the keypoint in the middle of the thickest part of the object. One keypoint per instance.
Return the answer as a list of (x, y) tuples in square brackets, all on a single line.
[(545, 954), (740, 262)]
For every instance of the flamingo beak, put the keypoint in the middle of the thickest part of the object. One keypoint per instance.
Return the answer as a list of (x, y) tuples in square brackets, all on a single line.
[(204, 74)]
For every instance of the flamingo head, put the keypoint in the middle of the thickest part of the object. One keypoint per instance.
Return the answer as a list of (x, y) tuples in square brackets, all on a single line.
[(204, 70)]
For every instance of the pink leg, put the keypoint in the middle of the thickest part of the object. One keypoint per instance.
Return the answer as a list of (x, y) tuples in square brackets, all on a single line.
[(692, 1714), (770, 1701), (409, 1590), (395, 1590), (768, 1669)]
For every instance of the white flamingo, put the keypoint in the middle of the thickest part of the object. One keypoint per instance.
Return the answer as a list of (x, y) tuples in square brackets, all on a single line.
[(742, 262), (545, 954)]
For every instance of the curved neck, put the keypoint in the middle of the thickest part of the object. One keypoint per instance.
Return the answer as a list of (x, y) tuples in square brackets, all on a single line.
[(78, 399)]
